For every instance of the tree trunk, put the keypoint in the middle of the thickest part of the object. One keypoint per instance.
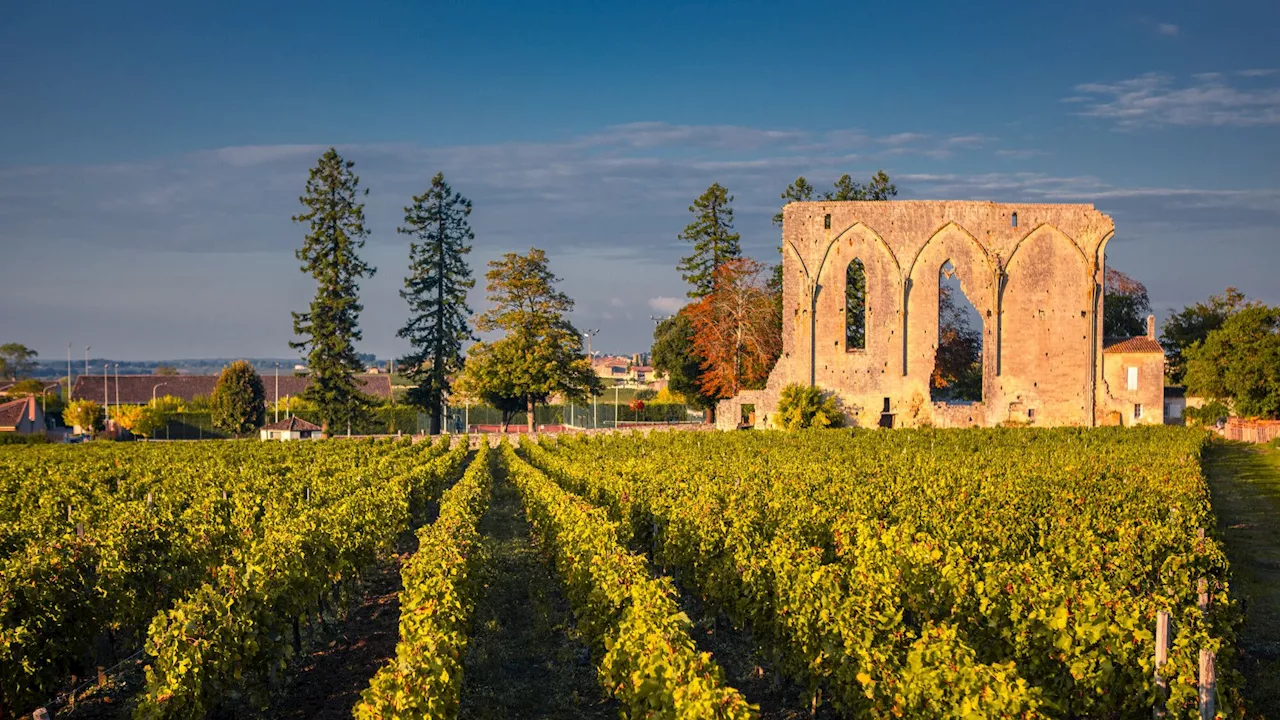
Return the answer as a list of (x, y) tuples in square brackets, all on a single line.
[(529, 405), (709, 415), (434, 426)]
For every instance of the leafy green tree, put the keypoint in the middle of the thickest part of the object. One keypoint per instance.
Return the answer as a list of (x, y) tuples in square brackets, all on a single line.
[(1239, 363), (1125, 306), (30, 386), (1192, 325), (239, 400), (803, 406), (84, 414), (673, 355), (540, 353), (713, 239), (165, 370), (335, 218), (141, 420), (16, 360), (436, 290)]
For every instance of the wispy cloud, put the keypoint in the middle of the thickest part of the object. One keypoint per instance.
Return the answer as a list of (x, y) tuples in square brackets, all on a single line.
[(1206, 99), (1020, 154), (1167, 29), (666, 304)]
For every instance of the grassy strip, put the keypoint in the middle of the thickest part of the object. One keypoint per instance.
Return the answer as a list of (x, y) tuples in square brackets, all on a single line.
[(424, 680), (649, 663)]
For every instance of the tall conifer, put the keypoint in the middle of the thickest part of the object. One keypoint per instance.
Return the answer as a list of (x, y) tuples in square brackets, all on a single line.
[(714, 242), (330, 327), (436, 290)]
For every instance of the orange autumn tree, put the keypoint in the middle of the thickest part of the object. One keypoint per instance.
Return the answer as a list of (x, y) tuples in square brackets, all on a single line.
[(737, 329)]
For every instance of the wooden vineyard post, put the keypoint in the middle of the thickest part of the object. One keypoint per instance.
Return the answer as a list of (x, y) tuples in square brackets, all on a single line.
[(1208, 686), (1162, 656), (1207, 676)]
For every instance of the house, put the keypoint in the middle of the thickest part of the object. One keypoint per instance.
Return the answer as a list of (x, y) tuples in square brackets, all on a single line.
[(22, 416), (294, 428), (1176, 404), (140, 389), (1133, 375)]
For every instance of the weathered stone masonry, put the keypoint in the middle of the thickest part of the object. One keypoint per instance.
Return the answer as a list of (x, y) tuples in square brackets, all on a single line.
[(1033, 272)]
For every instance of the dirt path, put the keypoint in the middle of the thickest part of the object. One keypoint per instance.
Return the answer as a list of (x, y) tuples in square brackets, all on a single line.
[(1245, 483), (331, 677), (524, 660)]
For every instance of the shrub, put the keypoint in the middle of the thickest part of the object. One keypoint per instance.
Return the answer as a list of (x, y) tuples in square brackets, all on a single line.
[(801, 407)]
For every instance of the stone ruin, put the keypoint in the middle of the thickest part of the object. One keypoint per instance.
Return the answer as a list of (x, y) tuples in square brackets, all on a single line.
[(1034, 275)]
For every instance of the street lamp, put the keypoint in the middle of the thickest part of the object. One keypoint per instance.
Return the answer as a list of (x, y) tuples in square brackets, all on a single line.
[(277, 392), (595, 402), (153, 392)]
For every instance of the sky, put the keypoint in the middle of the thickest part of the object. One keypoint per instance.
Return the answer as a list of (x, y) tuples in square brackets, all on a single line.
[(152, 154)]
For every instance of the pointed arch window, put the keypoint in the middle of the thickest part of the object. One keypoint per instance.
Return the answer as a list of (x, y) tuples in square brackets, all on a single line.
[(855, 306)]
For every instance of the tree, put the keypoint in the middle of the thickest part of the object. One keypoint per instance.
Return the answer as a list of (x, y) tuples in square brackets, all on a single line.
[(436, 290), (84, 414), (540, 354), (239, 401), (803, 406), (330, 326), (141, 420), (165, 370), (714, 242), (673, 355), (879, 188), (957, 367), (30, 386), (1192, 325), (1125, 306), (799, 191), (1239, 363), (16, 360), (736, 330)]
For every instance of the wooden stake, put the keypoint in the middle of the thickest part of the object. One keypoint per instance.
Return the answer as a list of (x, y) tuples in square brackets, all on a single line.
[(1162, 656), (1208, 685)]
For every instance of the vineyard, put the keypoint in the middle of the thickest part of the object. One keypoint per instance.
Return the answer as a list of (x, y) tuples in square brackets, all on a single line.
[(974, 573)]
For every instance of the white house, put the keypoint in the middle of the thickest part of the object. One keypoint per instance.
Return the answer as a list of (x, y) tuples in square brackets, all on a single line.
[(293, 428)]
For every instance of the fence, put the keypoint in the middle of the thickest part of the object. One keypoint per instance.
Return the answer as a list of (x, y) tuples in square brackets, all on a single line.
[(1253, 431)]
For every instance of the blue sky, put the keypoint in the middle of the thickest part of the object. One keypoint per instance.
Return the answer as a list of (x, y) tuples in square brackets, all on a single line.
[(151, 154)]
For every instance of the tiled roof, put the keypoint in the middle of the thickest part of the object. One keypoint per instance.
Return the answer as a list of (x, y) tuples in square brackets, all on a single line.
[(294, 424), (1140, 344), (137, 389), (11, 412)]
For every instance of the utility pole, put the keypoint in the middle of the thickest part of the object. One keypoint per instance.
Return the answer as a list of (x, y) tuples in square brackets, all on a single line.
[(106, 395), (86, 359), (277, 392), (595, 402), (68, 374)]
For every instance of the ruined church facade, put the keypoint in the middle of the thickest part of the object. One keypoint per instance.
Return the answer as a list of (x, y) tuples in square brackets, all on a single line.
[(1033, 272)]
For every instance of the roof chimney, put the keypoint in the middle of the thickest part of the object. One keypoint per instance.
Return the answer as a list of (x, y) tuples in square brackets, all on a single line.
[(31, 408), (1151, 326)]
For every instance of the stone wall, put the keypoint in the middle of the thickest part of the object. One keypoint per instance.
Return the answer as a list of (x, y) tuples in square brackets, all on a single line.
[(1034, 274)]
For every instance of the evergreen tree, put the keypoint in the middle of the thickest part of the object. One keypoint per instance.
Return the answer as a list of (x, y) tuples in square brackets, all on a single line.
[(436, 290), (330, 326), (879, 188), (714, 242), (799, 191)]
